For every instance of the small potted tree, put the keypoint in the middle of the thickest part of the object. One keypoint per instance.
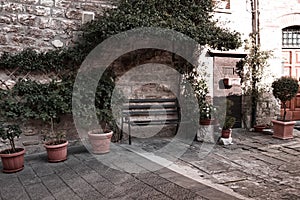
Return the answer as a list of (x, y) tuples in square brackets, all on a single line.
[(12, 158), (284, 89), (47, 102), (56, 145)]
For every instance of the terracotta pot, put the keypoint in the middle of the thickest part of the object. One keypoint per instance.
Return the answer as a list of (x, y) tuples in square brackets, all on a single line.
[(57, 153), (100, 141), (259, 128), (226, 133), (283, 130), (13, 162), (206, 122)]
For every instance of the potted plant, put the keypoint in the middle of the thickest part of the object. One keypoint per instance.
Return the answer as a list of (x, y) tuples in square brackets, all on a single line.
[(56, 145), (47, 102), (284, 89), (207, 111), (198, 81), (12, 158), (227, 127)]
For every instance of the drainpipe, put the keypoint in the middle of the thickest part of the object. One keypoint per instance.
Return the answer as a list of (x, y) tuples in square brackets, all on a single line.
[(258, 22), (255, 20), (255, 31)]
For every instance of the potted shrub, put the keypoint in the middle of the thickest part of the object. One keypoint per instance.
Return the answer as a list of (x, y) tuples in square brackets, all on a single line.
[(47, 101), (284, 89), (198, 81), (56, 145), (206, 113), (12, 158), (227, 127)]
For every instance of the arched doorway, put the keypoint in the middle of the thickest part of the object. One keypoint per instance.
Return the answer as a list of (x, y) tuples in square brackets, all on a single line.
[(291, 64)]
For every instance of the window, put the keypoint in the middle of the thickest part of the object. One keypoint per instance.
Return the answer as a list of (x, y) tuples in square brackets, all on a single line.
[(291, 37)]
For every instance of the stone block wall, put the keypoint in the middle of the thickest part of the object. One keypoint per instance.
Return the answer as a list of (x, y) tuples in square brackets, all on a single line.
[(44, 24), (268, 109)]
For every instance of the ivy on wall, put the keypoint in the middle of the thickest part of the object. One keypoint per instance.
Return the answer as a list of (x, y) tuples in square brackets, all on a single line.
[(31, 99)]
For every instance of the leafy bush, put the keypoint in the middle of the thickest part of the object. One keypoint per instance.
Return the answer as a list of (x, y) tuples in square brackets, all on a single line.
[(229, 122), (207, 111), (10, 131), (285, 88)]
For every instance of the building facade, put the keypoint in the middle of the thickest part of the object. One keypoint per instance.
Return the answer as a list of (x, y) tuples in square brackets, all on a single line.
[(278, 26)]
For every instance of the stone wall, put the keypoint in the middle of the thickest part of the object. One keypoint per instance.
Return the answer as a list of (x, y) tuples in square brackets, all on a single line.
[(268, 109), (44, 24)]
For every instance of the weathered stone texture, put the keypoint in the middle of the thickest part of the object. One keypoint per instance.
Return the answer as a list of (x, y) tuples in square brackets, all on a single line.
[(48, 3), (268, 108), (38, 10), (73, 14), (3, 39), (13, 8), (37, 23)]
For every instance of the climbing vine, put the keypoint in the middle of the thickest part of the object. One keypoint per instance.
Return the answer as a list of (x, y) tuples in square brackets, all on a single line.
[(254, 71)]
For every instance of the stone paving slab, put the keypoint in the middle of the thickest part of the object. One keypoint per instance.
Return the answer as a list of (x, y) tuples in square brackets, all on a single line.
[(255, 166), (82, 176), (267, 168)]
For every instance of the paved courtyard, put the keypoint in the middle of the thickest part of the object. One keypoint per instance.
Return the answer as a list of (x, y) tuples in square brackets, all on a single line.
[(255, 166)]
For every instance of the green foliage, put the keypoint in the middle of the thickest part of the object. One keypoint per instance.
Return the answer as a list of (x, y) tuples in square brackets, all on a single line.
[(192, 18), (253, 70), (207, 111), (10, 131), (54, 138), (30, 60), (200, 90), (285, 88), (33, 100), (229, 122)]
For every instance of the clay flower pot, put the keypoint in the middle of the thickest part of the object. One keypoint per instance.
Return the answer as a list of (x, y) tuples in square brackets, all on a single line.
[(100, 141), (206, 122), (283, 129), (226, 133), (259, 128), (12, 162), (56, 152)]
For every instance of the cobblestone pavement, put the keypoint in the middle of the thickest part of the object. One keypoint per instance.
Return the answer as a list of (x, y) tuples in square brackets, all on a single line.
[(255, 166)]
